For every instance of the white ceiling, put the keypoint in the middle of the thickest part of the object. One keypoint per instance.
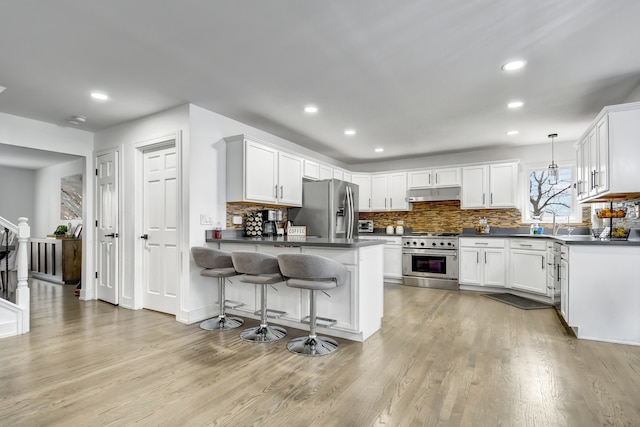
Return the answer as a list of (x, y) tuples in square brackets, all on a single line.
[(415, 77)]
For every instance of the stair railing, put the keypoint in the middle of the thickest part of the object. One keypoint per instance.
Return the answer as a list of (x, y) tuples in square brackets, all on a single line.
[(23, 232)]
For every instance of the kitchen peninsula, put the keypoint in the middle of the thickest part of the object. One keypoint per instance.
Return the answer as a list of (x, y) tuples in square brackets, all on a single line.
[(357, 306)]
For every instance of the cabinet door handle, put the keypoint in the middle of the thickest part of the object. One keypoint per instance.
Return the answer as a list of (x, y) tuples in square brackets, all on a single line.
[(111, 235), (390, 202), (485, 257), (477, 257), (385, 203), (429, 179), (481, 243), (542, 258), (282, 192), (522, 245), (483, 198), (491, 198), (369, 202), (596, 174), (436, 177), (145, 236), (275, 187)]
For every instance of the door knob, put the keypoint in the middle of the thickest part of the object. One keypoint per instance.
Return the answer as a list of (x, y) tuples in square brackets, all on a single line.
[(144, 236)]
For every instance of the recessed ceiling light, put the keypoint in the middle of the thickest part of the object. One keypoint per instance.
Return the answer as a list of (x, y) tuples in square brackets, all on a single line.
[(514, 65), (515, 104), (311, 109), (379, 150), (99, 96), (349, 132), (513, 132)]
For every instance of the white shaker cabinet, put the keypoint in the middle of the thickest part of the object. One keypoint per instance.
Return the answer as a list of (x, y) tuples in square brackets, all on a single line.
[(259, 173), (529, 265), (326, 172), (482, 261), (445, 177), (311, 170), (604, 151), (489, 186), (389, 192), (364, 191)]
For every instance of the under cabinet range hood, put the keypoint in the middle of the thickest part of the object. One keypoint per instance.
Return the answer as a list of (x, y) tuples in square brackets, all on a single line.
[(433, 194)]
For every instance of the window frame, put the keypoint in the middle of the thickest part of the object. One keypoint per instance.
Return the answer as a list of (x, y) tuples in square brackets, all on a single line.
[(576, 208)]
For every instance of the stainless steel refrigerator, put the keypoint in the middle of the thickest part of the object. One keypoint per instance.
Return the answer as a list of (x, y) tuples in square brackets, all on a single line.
[(329, 209)]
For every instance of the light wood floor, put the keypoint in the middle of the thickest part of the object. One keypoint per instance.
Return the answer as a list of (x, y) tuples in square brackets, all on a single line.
[(442, 358)]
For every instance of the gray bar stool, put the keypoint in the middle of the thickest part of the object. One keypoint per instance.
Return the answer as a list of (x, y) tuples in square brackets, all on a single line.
[(218, 264), (314, 273), (260, 269)]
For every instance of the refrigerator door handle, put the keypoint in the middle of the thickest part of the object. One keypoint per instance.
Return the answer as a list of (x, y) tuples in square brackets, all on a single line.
[(350, 219)]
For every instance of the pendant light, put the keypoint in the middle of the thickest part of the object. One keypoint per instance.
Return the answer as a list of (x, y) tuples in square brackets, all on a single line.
[(553, 167)]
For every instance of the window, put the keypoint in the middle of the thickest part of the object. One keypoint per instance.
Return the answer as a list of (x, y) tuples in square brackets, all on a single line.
[(544, 198)]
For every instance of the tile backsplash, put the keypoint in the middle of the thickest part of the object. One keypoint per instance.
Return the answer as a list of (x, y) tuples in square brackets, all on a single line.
[(446, 216)]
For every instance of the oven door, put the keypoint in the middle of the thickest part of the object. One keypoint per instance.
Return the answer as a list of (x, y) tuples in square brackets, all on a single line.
[(428, 263)]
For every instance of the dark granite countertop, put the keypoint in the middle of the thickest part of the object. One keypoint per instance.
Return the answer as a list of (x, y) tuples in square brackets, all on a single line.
[(293, 241), (582, 237)]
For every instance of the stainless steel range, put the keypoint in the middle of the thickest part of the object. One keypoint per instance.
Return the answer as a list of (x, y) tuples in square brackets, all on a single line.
[(430, 260)]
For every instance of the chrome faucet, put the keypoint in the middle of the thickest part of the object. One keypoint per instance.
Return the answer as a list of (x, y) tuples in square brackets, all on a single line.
[(556, 227)]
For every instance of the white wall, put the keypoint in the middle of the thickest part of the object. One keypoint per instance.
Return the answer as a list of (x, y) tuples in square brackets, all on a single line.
[(16, 193), (634, 96), (47, 197)]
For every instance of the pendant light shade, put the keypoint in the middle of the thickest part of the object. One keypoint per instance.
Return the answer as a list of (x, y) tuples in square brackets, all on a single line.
[(553, 168)]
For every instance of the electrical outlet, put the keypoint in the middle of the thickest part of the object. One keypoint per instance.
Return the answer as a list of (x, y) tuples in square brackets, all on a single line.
[(237, 220), (400, 222)]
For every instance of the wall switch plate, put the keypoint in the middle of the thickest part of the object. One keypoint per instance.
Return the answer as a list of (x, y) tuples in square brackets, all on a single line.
[(400, 222), (237, 220), (206, 219)]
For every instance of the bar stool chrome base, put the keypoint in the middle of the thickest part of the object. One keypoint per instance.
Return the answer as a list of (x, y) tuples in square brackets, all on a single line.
[(222, 323), (312, 346), (263, 333)]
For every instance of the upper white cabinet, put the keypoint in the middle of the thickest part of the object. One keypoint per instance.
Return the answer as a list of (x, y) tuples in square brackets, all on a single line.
[(364, 191), (259, 173), (311, 170), (445, 177), (389, 192), (326, 172), (489, 186), (605, 153)]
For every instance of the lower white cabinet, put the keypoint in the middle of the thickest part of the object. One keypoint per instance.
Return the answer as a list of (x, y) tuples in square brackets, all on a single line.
[(528, 261), (482, 262), (392, 256), (564, 283)]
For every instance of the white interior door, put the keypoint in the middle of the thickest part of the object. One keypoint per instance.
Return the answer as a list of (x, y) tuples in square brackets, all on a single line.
[(107, 226), (160, 256)]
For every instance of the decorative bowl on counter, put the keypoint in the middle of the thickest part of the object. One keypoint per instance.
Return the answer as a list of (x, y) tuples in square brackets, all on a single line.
[(611, 213), (618, 233)]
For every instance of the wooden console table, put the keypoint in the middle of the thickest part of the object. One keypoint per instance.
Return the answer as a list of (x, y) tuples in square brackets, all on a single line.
[(57, 260)]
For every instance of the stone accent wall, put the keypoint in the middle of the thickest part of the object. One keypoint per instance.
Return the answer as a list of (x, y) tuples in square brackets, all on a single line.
[(446, 216), (243, 208)]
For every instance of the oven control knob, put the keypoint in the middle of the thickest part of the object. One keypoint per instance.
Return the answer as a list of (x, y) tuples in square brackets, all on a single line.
[(421, 243), (441, 243), (449, 243), (415, 243), (433, 244)]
